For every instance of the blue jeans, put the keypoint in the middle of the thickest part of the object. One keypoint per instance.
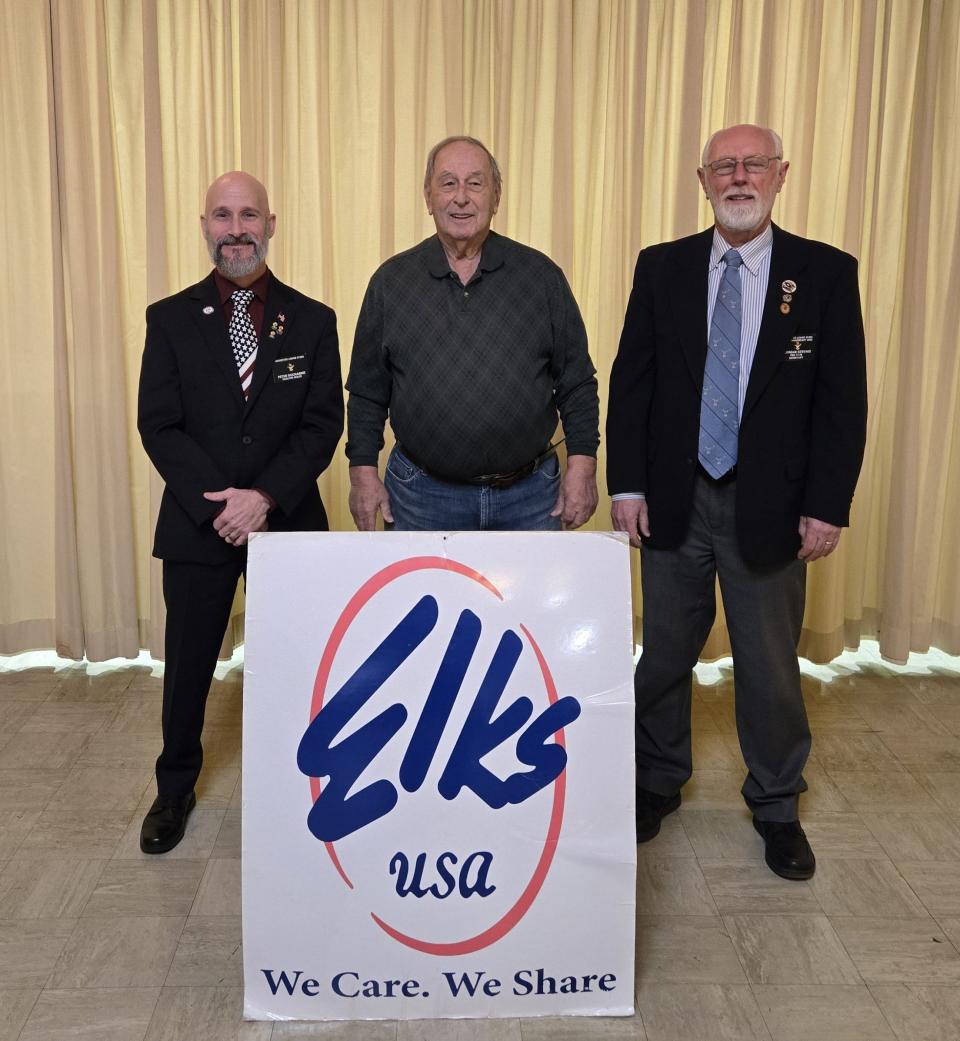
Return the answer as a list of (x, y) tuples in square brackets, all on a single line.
[(422, 503)]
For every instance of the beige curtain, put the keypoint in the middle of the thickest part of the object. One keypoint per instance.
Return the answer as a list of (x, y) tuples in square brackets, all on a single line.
[(116, 114)]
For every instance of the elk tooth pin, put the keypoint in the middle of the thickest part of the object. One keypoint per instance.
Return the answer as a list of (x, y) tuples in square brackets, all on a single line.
[(788, 285), (208, 309)]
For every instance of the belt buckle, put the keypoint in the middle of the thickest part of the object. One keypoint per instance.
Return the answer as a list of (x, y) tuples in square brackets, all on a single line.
[(506, 480), (492, 480)]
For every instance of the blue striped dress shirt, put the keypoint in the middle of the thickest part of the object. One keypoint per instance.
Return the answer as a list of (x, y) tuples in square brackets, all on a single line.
[(754, 276)]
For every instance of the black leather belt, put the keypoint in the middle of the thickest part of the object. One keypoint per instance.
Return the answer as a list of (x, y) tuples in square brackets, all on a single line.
[(490, 480)]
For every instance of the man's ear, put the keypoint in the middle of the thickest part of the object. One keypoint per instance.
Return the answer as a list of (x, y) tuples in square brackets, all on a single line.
[(783, 175)]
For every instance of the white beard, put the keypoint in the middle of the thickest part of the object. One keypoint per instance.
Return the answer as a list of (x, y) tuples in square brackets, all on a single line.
[(740, 216)]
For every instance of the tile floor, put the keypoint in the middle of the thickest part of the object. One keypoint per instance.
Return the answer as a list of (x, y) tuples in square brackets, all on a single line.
[(98, 942)]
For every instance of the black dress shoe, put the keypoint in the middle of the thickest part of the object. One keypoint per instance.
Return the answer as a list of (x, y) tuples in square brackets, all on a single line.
[(164, 825), (651, 809), (788, 853)]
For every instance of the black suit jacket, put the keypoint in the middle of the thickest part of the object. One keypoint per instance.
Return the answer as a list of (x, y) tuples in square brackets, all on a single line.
[(202, 435), (803, 426)]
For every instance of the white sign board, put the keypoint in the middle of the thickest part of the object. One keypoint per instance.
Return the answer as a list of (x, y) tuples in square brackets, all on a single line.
[(438, 793)]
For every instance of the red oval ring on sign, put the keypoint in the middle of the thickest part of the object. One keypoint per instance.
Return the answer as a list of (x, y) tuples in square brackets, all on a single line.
[(359, 599)]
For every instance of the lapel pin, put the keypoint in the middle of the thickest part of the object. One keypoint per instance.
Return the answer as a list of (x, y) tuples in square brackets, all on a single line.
[(784, 308), (208, 309), (281, 317), (788, 285)]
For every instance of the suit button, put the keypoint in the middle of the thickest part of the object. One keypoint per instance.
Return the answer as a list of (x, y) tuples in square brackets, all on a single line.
[(247, 439)]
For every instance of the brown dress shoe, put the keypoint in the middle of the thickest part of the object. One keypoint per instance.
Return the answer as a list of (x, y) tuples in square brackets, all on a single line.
[(165, 823)]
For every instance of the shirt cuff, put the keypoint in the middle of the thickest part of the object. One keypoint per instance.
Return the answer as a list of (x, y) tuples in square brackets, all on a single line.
[(625, 496)]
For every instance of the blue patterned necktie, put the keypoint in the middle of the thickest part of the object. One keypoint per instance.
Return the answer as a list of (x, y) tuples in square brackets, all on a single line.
[(719, 420)]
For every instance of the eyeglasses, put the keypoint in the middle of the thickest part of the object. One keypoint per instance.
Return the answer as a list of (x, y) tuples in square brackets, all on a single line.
[(752, 164)]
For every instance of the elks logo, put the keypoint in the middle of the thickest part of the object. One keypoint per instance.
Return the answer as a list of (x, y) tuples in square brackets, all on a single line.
[(443, 709)]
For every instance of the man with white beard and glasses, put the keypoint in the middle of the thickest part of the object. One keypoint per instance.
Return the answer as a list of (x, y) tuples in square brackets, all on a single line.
[(735, 436), (240, 410)]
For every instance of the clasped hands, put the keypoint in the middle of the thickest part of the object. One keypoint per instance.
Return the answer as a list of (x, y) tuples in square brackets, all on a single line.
[(244, 512)]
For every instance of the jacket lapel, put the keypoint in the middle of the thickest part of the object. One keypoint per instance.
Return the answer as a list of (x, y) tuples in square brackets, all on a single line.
[(278, 318), (688, 283), (776, 328), (208, 314)]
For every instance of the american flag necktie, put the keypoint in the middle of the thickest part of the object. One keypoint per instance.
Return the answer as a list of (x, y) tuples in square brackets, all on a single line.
[(243, 337)]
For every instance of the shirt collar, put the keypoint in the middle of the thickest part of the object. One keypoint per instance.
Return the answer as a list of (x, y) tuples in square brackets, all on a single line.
[(226, 288), (491, 256), (753, 253)]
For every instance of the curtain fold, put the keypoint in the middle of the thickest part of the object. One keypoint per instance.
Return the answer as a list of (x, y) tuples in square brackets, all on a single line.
[(94, 461), (122, 111)]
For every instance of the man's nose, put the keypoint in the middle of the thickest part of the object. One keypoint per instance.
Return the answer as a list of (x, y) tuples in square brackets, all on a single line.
[(739, 174)]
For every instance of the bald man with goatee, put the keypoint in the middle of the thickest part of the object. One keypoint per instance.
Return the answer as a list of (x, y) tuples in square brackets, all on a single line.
[(240, 410), (735, 435)]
